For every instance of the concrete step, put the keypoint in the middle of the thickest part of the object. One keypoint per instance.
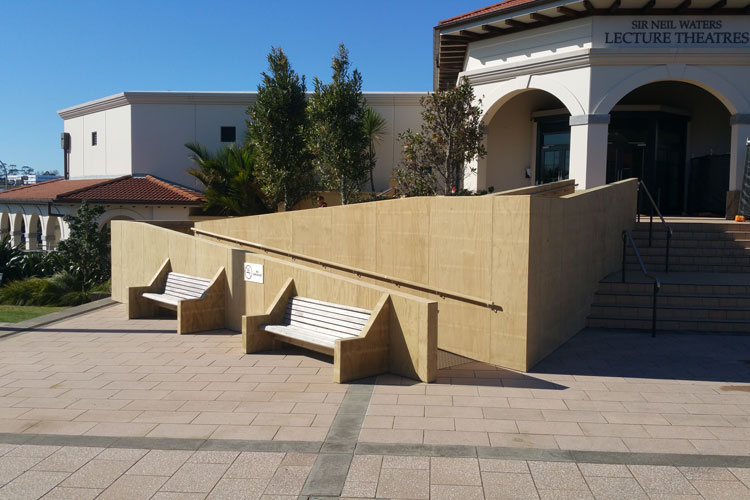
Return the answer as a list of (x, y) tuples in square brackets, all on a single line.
[(708, 243), (656, 266), (728, 326), (645, 251), (672, 299), (692, 288), (670, 312)]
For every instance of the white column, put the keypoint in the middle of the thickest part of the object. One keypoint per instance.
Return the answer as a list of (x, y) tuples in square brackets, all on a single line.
[(588, 150), (740, 134), (31, 234)]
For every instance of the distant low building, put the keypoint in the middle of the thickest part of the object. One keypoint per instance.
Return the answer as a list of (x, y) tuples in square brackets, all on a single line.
[(25, 179)]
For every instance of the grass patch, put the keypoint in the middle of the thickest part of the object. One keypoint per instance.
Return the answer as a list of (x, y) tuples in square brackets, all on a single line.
[(14, 314)]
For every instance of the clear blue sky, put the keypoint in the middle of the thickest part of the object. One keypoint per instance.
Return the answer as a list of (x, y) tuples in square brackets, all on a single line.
[(58, 54)]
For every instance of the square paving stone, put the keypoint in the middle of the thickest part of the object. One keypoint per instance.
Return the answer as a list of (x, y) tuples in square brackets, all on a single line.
[(68, 459), (97, 474), (508, 486), (557, 476), (565, 495), (288, 480), (722, 490), (404, 483), (133, 487), (662, 479), (160, 462), (234, 489), (455, 471), (360, 489), (32, 485), (615, 488), (195, 478), (61, 493), (454, 492), (255, 465)]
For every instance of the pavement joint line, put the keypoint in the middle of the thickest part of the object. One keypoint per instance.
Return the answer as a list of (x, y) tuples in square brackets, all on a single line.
[(328, 475), (12, 329), (364, 448)]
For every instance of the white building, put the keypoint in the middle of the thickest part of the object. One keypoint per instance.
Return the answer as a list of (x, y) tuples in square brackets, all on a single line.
[(146, 132), (601, 90), (127, 152)]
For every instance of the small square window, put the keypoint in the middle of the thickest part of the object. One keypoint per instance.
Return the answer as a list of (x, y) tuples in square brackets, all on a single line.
[(228, 134), (93, 138)]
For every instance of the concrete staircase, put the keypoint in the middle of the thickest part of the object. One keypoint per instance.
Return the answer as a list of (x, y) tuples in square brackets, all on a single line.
[(707, 288)]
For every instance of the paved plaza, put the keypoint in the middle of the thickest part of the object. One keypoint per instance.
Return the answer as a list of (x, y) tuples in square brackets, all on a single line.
[(98, 406)]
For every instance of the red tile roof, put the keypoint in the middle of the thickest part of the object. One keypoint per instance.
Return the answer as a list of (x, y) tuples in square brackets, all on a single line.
[(485, 10), (127, 189), (48, 190)]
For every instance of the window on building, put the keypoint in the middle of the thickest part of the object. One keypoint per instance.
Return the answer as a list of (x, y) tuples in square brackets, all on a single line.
[(93, 138), (228, 134)]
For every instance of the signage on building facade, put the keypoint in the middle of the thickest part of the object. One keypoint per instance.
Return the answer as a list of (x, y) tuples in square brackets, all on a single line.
[(672, 31), (254, 272)]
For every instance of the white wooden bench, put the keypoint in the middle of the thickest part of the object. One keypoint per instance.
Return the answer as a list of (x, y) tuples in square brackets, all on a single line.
[(317, 325), (179, 287), (199, 302), (358, 339)]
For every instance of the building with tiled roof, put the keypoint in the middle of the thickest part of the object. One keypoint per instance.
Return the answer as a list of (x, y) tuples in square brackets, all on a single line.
[(33, 214), (603, 90)]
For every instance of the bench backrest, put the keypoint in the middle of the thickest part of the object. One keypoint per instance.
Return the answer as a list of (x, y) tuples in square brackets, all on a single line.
[(185, 287), (333, 319)]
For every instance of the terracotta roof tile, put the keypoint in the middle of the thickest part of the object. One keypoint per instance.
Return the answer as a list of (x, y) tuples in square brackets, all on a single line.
[(137, 189), (484, 10), (127, 189), (47, 190)]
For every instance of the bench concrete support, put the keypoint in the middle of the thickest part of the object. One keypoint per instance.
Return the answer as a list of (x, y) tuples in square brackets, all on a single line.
[(193, 315), (255, 340), (207, 312), (141, 307), (367, 354)]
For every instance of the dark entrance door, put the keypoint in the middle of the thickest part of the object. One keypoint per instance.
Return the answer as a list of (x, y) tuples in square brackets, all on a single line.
[(553, 150), (650, 146)]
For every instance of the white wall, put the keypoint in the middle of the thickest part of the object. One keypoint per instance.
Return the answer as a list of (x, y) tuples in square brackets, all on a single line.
[(111, 156)]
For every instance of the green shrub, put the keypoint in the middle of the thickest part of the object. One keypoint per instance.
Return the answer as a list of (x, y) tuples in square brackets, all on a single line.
[(62, 289)]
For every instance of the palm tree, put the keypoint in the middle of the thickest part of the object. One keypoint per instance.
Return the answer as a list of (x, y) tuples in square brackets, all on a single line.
[(375, 128), (231, 187)]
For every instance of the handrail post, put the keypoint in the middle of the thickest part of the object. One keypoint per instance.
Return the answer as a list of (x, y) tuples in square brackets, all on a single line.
[(638, 203), (653, 310), (624, 248), (650, 225), (666, 259)]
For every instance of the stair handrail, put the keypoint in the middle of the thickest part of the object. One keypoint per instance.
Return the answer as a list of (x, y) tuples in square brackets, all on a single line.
[(654, 206), (627, 235)]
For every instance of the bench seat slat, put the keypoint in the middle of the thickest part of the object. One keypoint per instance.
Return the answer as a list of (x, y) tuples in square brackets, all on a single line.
[(327, 317), (290, 331), (190, 278), (161, 297), (182, 291), (323, 325), (184, 286), (333, 305), (302, 309), (321, 329)]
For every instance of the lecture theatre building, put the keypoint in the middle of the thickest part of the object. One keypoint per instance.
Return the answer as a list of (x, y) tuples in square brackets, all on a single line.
[(603, 90)]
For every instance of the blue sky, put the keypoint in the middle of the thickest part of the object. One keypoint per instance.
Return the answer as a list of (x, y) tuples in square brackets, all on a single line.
[(57, 54)]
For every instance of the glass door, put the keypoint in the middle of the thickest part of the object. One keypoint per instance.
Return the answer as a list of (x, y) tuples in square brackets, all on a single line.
[(553, 151)]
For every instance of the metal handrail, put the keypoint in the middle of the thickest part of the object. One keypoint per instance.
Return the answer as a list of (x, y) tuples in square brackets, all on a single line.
[(356, 271), (626, 235), (654, 206)]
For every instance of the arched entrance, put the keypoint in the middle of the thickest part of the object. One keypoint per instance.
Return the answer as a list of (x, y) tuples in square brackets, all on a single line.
[(528, 141), (52, 233), (676, 137), (4, 225)]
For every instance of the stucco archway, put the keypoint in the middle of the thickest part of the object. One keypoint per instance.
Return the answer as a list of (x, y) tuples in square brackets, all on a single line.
[(675, 137), (515, 124), (4, 224)]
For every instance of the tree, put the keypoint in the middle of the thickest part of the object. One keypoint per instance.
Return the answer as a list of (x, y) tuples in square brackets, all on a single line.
[(336, 136), (276, 129), (450, 137), (86, 253), (412, 177), (375, 127), (231, 188)]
